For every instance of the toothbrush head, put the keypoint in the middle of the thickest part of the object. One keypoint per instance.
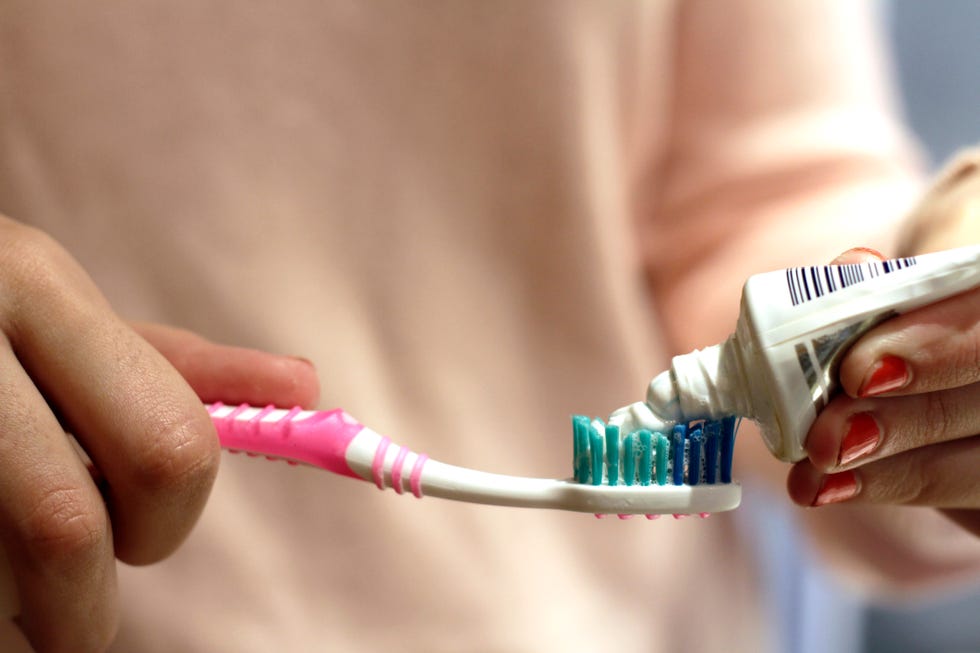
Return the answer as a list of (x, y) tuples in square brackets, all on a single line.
[(696, 456)]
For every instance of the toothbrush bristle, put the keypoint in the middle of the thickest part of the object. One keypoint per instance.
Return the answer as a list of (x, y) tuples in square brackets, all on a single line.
[(691, 454)]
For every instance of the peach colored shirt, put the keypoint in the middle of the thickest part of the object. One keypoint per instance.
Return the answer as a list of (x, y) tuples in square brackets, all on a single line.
[(476, 219)]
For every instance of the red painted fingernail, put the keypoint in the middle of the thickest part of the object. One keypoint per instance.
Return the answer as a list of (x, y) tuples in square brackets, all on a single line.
[(862, 437), (836, 488), (889, 373)]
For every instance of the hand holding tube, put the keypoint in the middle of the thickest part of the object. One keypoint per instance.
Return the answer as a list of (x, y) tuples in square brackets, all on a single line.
[(907, 431)]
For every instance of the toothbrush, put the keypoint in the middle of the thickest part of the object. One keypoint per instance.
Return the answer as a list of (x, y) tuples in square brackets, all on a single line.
[(686, 472)]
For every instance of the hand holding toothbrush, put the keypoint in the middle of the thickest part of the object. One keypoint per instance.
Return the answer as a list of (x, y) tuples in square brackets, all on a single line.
[(67, 362)]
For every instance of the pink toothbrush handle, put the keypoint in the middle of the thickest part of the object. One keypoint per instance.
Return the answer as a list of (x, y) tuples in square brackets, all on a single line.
[(318, 438)]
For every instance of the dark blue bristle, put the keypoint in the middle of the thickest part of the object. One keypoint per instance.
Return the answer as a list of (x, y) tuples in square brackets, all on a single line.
[(663, 456), (629, 459), (677, 437), (727, 448), (712, 434), (695, 444), (646, 457), (580, 428), (595, 445), (612, 453)]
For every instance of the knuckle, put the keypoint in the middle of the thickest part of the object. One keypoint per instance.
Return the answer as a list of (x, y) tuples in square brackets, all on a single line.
[(914, 487), (958, 362), (64, 524), (940, 415), (970, 360), (30, 256), (923, 487), (35, 273), (898, 480), (182, 454), (916, 478)]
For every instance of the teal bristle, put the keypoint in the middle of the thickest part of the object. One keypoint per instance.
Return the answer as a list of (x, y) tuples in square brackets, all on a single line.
[(596, 444), (698, 453), (581, 460), (629, 459), (646, 457), (612, 454)]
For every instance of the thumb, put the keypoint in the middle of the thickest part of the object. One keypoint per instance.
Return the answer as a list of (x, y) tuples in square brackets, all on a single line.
[(858, 255), (234, 374)]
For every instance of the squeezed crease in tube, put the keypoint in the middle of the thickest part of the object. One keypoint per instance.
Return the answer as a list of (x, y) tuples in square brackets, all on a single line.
[(780, 366)]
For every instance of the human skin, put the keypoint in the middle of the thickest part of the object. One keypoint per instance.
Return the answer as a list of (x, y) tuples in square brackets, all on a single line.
[(131, 396), (905, 429)]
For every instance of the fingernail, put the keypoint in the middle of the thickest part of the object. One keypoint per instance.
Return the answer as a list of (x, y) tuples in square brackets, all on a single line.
[(862, 437), (301, 359), (851, 255), (836, 488), (871, 251), (889, 373)]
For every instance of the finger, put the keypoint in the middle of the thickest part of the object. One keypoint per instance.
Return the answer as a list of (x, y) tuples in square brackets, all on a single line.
[(138, 420), (53, 524), (851, 432), (858, 255), (233, 374), (932, 348), (941, 475)]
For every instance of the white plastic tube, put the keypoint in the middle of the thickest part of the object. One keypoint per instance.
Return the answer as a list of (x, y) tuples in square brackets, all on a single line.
[(780, 366)]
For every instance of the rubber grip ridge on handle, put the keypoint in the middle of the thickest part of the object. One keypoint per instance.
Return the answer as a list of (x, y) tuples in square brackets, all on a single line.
[(318, 438)]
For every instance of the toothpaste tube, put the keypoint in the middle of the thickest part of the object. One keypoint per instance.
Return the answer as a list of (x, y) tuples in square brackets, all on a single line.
[(780, 366)]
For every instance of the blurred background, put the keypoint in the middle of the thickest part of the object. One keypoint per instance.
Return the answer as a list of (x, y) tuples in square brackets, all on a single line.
[(936, 48), (936, 57)]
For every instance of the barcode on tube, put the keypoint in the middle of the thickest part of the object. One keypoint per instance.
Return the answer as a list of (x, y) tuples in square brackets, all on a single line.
[(809, 283)]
